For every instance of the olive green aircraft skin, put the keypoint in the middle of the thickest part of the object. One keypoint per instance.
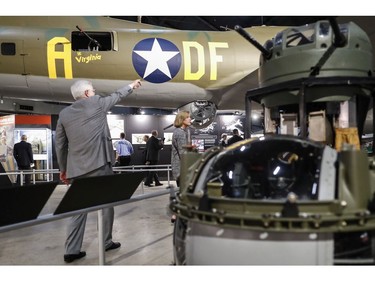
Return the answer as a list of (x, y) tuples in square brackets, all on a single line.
[(214, 66)]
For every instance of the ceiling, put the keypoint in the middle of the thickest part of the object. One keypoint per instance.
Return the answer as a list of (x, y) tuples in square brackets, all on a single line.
[(220, 23)]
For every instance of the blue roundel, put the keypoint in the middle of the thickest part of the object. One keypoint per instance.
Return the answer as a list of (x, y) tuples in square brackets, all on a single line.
[(156, 60)]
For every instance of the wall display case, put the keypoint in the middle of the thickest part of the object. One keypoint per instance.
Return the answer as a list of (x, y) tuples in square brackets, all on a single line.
[(37, 128), (7, 124), (41, 144)]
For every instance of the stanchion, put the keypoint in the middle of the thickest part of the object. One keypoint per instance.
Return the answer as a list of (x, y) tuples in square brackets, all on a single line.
[(101, 237)]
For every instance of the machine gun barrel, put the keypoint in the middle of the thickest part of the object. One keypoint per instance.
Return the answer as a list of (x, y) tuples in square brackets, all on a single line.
[(340, 39), (89, 37), (255, 43)]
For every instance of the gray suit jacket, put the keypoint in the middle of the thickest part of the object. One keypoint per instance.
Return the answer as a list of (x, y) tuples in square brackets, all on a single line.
[(83, 140), (179, 139)]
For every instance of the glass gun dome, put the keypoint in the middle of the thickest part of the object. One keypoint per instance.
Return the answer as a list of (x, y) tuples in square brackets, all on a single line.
[(269, 168)]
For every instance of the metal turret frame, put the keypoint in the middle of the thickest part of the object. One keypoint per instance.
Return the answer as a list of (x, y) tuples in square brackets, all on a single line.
[(303, 85)]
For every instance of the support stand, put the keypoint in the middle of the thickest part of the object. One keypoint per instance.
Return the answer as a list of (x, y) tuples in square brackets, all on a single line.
[(101, 238)]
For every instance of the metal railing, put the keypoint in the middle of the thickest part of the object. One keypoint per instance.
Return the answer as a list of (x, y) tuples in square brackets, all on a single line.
[(48, 172), (33, 174), (146, 168), (51, 217)]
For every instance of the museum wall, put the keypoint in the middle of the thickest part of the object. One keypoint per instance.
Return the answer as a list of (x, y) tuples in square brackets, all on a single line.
[(136, 126)]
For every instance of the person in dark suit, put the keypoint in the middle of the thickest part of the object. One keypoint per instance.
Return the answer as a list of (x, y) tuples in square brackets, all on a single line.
[(144, 151), (153, 147), (235, 138), (23, 154), (84, 149)]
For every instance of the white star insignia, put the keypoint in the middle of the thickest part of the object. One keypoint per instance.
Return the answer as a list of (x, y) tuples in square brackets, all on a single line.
[(157, 59)]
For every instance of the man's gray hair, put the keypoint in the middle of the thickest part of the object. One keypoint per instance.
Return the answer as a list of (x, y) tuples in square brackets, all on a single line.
[(79, 87)]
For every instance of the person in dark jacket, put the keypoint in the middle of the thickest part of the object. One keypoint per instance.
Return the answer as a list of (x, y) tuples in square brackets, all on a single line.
[(235, 138), (153, 147), (144, 151), (223, 140), (23, 154)]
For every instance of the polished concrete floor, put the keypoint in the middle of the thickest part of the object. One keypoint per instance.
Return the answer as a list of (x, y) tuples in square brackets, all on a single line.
[(145, 231), (143, 228)]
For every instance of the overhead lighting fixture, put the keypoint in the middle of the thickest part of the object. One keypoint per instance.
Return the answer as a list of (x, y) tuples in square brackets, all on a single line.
[(255, 116)]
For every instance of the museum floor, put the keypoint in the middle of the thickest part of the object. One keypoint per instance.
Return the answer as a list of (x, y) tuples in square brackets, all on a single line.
[(143, 228)]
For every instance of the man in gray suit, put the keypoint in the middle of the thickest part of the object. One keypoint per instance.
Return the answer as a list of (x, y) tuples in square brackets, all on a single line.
[(84, 149)]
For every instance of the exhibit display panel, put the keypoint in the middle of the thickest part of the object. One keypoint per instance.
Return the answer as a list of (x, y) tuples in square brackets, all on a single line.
[(41, 144), (37, 128)]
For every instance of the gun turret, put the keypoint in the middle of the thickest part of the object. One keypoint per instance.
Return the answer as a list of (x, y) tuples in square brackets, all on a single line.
[(266, 53)]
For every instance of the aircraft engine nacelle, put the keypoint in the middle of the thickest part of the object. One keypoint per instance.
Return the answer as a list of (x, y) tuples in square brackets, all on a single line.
[(259, 200), (202, 113)]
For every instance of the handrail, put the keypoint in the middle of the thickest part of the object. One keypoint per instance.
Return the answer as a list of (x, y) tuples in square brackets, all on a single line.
[(51, 217), (155, 168), (32, 172)]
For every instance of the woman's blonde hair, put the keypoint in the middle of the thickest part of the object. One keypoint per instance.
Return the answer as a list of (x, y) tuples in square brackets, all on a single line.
[(180, 117)]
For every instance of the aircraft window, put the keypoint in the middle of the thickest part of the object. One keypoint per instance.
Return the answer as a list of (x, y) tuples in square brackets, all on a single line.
[(298, 37), (8, 49), (268, 169), (91, 41), (324, 28), (278, 38), (344, 30), (268, 45)]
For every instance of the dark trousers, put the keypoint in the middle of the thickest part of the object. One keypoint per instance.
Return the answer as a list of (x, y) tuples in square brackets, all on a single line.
[(124, 160), (27, 177), (152, 175)]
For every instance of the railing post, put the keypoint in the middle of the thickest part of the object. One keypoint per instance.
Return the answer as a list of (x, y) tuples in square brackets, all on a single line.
[(101, 237), (168, 169)]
